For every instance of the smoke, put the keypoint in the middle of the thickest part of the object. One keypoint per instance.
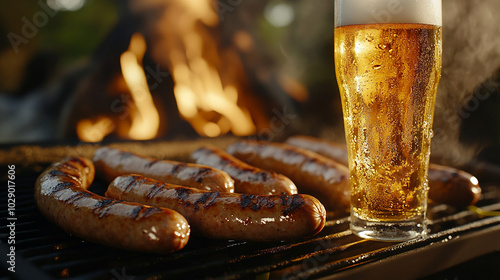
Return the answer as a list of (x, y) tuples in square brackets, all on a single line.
[(471, 56)]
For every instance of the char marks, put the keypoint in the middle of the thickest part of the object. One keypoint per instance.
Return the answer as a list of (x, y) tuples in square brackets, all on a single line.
[(292, 202), (264, 176), (208, 196), (140, 211), (178, 168), (155, 189), (201, 173), (70, 164), (183, 193), (246, 200), (61, 186), (77, 196), (125, 155), (132, 182), (152, 162), (256, 202), (55, 173), (102, 207), (79, 161)]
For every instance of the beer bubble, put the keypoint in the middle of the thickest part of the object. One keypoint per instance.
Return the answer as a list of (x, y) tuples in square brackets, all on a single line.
[(376, 67)]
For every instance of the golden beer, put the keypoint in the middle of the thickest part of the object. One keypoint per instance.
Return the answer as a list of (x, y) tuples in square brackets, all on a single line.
[(388, 74)]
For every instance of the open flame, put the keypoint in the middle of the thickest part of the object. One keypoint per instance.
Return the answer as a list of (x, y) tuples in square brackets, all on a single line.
[(145, 119), (210, 84), (209, 105)]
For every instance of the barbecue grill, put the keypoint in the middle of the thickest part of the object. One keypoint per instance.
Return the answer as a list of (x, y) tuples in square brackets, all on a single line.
[(43, 251)]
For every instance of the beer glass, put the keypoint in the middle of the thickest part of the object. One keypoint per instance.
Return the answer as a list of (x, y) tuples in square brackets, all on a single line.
[(388, 66)]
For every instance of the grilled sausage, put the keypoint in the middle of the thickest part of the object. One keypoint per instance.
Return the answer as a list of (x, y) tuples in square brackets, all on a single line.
[(452, 186), (446, 185), (222, 215), (113, 162), (61, 195), (312, 173), (247, 179), (335, 151)]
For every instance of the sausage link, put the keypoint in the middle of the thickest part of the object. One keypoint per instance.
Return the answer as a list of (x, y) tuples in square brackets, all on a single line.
[(452, 186), (446, 184), (114, 162), (62, 197), (223, 215), (335, 151), (312, 173), (247, 179)]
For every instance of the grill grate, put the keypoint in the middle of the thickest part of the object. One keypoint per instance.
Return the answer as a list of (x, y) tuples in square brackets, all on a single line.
[(42, 249)]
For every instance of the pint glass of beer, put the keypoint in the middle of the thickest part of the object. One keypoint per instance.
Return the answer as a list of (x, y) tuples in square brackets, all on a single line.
[(388, 66)]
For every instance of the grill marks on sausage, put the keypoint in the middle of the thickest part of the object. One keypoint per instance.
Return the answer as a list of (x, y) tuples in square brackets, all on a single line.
[(103, 206), (155, 188), (200, 174), (131, 184), (151, 163), (141, 212), (79, 161), (177, 168), (209, 197), (256, 202), (56, 173), (77, 196), (291, 203), (183, 193), (125, 155), (71, 165), (61, 186)]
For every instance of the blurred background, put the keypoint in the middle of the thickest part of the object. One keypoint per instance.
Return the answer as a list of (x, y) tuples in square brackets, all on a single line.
[(90, 71)]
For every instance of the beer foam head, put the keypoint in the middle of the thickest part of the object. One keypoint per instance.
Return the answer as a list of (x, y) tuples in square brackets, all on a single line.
[(348, 12)]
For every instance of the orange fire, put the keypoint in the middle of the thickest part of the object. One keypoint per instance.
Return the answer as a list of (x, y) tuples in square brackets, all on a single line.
[(209, 105), (145, 120), (210, 84)]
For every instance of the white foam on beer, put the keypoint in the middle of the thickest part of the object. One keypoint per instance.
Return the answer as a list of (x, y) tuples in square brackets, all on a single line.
[(348, 12)]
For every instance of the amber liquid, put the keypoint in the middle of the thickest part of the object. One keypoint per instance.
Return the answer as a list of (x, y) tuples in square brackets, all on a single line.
[(388, 76)]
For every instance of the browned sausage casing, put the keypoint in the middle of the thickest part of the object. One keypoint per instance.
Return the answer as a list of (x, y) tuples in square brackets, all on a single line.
[(247, 179), (446, 184), (314, 174), (61, 195), (452, 186), (335, 151), (113, 162), (228, 215)]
